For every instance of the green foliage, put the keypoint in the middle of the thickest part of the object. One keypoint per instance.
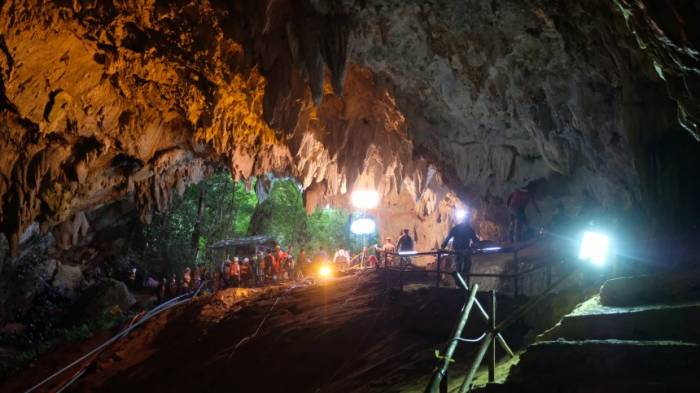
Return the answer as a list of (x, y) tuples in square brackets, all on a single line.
[(174, 240), (328, 228), (282, 215), (30, 350)]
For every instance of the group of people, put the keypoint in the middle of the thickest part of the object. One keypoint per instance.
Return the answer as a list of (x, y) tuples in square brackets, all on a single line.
[(191, 281), (276, 265), (269, 267)]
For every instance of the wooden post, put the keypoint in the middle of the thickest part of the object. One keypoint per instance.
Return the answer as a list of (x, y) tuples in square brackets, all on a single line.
[(492, 349)]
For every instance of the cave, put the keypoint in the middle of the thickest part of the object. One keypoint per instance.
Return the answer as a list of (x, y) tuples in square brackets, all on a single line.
[(119, 118)]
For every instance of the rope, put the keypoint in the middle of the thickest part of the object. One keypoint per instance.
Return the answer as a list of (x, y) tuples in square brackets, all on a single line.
[(132, 326), (471, 340)]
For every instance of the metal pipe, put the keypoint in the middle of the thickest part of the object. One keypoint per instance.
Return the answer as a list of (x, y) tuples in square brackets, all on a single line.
[(486, 318), (440, 372), (466, 385), (492, 347)]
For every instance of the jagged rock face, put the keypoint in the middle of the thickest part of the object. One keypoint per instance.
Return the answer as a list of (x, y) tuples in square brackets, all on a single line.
[(103, 101), (505, 93)]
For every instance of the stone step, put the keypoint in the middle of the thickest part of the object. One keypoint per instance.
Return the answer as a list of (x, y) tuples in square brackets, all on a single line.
[(673, 288), (604, 386), (660, 322), (596, 361)]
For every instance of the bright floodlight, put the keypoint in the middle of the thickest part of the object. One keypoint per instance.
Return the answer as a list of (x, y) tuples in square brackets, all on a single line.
[(324, 271), (365, 199), (461, 214), (363, 226), (408, 252), (594, 247)]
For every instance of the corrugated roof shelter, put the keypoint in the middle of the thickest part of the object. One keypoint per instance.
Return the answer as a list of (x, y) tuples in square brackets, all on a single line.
[(251, 243)]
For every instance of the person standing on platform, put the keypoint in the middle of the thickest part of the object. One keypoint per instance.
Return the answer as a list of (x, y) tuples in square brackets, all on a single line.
[(462, 236)]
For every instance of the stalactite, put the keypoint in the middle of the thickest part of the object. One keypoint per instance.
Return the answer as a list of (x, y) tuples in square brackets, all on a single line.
[(334, 48)]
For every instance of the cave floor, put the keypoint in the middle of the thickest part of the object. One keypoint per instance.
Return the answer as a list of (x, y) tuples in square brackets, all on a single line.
[(347, 334)]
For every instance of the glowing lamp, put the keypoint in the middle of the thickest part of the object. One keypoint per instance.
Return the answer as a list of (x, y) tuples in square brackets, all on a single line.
[(364, 199), (363, 226), (324, 271), (491, 249), (403, 253), (461, 214), (594, 248)]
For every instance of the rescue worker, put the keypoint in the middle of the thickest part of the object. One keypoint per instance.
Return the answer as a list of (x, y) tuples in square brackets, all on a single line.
[(462, 236), (186, 280), (372, 261), (388, 248), (172, 287), (280, 262), (340, 256), (269, 266), (261, 268), (404, 244), (289, 267), (245, 272), (197, 280), (132, 278), (225, 269), (235, 273), (516, 203), (321, 257), (254, 271), (162, 290)]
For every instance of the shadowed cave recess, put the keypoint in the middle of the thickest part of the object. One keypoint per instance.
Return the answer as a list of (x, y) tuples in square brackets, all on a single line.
[(110, 109)]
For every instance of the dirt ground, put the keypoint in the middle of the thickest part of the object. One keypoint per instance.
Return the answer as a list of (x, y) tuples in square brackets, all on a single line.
[(348, 334)]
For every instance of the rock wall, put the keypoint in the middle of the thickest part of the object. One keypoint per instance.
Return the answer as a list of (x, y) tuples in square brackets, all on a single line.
[(102, 101)]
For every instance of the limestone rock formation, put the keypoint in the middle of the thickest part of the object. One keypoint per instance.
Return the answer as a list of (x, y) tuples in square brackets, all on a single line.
[(102, 101)]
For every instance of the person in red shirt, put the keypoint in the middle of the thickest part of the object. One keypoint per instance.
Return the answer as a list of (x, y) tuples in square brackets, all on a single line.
[(517, 202)]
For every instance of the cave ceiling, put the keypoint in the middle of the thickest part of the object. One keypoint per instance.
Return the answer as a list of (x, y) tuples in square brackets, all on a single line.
[(104, 100)]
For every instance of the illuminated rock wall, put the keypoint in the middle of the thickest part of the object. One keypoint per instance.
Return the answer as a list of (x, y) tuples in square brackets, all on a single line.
[(105, 101)]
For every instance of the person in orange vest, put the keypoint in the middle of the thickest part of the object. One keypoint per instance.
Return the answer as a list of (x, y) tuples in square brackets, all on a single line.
[(235, 273), (280, 257)]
